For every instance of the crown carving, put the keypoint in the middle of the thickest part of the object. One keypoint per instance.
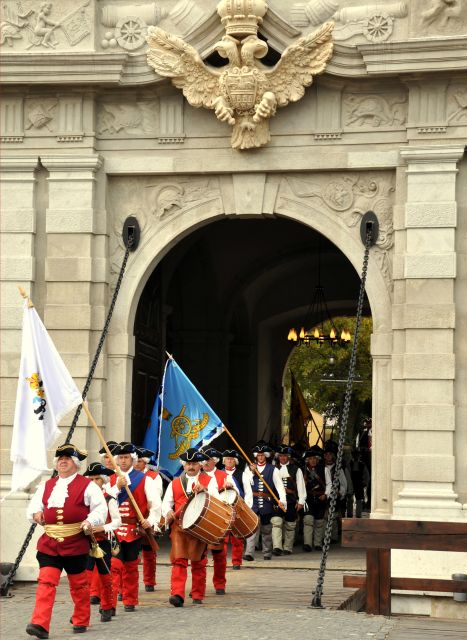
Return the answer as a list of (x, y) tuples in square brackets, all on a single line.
[(241, 18)]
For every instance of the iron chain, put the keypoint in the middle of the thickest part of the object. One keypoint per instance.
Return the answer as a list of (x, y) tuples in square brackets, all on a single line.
[(318, 592), (9, 579)]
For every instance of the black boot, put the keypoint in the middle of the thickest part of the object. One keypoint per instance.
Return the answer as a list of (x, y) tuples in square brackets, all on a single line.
[(36, 630)]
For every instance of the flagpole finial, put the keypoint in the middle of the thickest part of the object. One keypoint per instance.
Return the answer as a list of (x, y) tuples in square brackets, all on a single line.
[(26, 297), (169, 355)]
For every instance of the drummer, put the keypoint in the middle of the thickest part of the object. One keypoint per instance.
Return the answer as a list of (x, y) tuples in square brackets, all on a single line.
[(230, 460), (219, 552), (184, 546)]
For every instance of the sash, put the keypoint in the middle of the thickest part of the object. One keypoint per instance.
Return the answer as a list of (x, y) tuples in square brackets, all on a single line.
[(136, 478)]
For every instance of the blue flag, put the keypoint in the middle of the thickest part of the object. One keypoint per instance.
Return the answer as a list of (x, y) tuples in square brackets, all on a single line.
[(181, 418), (151, 438)]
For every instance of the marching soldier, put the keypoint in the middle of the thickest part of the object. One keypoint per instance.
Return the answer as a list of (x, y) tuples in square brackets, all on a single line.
[(284, 523), (219, 552), (330, 453), (100, 475), (66, 505), (129, 535), (260, 500), (230, 460), (316, 500), (185, 547), (149, 556)]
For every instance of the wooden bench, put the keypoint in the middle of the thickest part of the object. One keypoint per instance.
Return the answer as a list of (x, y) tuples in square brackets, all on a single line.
[(378, 537)]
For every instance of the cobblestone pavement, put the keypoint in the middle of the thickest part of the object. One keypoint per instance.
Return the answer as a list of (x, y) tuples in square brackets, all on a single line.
[(263, 600), (260, 597)]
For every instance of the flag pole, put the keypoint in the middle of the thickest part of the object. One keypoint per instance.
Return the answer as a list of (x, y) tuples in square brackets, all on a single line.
[(26, 297), (117, 469), (254, 468)]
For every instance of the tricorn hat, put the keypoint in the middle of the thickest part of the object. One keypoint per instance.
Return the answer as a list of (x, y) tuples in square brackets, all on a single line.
[(71, 451), (124, 447), (262, 448), (111, 444), (331, 446), (193, 455), (141, 452), (284, 449), (210, 452), (98, 469), (230, 453), (313, 451)]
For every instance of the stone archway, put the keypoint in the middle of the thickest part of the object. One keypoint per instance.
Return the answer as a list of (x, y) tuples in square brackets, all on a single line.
[(178, 217)]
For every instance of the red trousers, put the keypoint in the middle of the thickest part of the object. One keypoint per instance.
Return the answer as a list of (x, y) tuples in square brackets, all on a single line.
[(149, 567), (101, 586), (94, 582), (238, 544), (125, 577), (198, 578), (48, 580), (219, 579)]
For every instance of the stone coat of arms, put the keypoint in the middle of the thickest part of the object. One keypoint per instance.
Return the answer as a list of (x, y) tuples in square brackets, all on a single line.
[(244, 93)]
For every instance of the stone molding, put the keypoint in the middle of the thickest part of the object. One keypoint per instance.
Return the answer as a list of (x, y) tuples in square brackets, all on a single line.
[(431, 154), (72, 162)]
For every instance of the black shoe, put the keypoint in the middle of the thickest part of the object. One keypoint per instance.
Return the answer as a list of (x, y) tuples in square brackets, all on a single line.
[(106, 616), (196, 601), (277, 552), (285, 552), (248, 557), (120, 597), (114, 613), (236, 567), (79, 629), (129, 607), (36, 630), (307, 548), (318, 548), (220, 592), (267, 557), (149, 587), (94, 600), (176, 601)]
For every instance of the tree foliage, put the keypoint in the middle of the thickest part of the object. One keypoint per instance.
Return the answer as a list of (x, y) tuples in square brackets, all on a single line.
[(321, 370)]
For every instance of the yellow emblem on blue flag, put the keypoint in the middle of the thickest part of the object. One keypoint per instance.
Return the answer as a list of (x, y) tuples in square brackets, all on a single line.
[(181, 419)]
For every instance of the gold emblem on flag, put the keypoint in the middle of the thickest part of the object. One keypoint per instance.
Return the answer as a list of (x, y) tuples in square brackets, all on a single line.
[(184, 431)]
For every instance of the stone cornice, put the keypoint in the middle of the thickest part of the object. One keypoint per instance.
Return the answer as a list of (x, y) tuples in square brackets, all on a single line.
[(19, 163), (71, 162), (420, 55), (434, 153), (389, 58)]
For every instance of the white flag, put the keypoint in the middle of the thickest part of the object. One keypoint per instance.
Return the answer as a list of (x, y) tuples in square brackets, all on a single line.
[(46, 392)]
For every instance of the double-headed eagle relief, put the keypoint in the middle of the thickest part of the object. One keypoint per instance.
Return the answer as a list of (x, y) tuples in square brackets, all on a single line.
[(244, 93)]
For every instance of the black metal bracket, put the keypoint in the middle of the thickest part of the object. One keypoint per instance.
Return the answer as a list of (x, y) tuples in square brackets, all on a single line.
[(131, 233), (369, 223)]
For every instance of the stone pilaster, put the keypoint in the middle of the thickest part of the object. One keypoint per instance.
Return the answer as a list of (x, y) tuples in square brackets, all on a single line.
[(76, 272), (423, 367), (18, 225)]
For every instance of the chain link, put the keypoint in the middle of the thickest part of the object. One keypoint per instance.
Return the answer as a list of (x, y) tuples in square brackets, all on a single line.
[(9, 579), (318, 592)]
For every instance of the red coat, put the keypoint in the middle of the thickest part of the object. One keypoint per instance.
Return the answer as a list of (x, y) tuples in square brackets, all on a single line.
[(179, 493), (74, 510), (127, 532)]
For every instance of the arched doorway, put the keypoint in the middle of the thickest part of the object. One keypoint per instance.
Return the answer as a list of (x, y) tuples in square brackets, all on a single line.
[(221, 302)]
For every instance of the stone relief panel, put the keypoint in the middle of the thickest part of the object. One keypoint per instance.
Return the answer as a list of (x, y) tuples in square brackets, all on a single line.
[(60, 116), (439, 17), (373, 22), (124, 26), (373, 111), (126, 118), (156, 202), (38, 26), (347, 197), (457, 105)]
